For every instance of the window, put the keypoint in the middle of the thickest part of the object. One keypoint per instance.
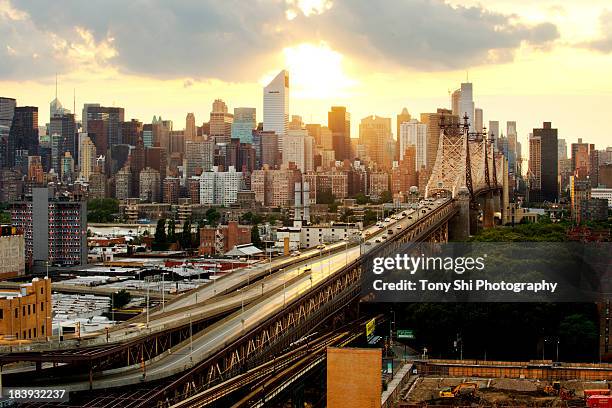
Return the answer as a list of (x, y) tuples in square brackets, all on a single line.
[(42, 306), (42, 329), (16, 313), (42, 291), (35, 332), (29, 309), (1, 313), (29, 333), (23, 313), (34, 309)]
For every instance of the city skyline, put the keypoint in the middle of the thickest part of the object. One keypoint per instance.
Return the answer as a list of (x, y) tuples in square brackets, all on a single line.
[(93, 57)]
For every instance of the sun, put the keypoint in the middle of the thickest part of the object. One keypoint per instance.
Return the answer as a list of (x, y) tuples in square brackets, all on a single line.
[(316, 72)]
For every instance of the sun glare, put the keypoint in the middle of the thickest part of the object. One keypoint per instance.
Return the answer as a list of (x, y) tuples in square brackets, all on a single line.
[(316, 72)]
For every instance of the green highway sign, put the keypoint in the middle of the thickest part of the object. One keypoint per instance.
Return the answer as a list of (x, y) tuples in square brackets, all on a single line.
[(405, 334)]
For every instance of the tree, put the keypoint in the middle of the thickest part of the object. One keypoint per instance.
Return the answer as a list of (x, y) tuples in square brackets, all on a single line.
[(255, 239), (121, 298), (369, 217), (213, 216), (362, 199), (186, 235), (386, 197), (171, 231), (102, 209), (161, 239), (325, 197)]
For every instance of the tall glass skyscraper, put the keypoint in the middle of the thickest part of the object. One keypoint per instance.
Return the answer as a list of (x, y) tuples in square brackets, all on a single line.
[(244, 123), (276, 106)]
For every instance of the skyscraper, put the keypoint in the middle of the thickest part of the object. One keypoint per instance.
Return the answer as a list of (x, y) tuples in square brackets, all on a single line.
[(478, 120), (561, 149), (339, 122), (63, 132), (276, 106), (494, 130), (220, 122), (375, 133), (190, 127), (413, 135), (298, 149), (23, 138), (404, 116), (87, 156), (548, 161), (244, 123), (7, 110), (511, 135), (581, 154), (466, 104), (455, 98), (110, 116)]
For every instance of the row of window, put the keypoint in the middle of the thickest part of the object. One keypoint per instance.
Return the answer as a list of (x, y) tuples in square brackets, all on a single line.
[(31, 308), (29, 333)]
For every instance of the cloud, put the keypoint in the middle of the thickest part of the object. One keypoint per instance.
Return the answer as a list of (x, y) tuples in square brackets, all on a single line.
[(604, 42), (426, 34), (237, 40)]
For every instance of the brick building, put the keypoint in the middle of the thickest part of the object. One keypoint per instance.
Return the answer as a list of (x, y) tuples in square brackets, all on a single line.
[(221, 239), (25, 313)]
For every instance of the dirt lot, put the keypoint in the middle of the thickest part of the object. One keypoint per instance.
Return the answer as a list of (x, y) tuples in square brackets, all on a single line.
[(500, 392)]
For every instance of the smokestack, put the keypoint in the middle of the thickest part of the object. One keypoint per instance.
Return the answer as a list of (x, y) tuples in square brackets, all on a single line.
[(306, 202), (297, 217)]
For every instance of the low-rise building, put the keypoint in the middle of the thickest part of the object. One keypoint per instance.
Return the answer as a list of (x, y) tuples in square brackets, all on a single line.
[(25, 313), (605, 193), (221, 239), (594, 209), (12, 252)]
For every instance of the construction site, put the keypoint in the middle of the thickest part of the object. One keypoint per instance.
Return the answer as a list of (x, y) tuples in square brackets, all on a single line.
[(501, 384)]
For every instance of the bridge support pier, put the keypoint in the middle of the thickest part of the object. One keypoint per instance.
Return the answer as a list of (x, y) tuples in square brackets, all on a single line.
[(488, 220), (474, 214), (459, 228)]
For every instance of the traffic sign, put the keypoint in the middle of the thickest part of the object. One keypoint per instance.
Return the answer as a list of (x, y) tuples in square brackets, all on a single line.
[(370, 326), (405, 334)]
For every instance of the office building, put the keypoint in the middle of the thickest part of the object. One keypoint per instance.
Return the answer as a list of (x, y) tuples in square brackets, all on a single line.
[(63, 133), (26, 311), (109, 133), (339, 124), (455, 100), (561, 149), (220, 122), (548, 151), (87, 157), (466, 104), (478, 120), (331, 181), (23, 136), (7, 111), (244, 123), (130, 131), (276, 106), (55, 229), (494, 131), (269, 148), (413, 133), (190, 127), (375, 134)]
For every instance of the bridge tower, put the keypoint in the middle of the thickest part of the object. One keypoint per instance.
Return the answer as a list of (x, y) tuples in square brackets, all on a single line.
[(467, 162)]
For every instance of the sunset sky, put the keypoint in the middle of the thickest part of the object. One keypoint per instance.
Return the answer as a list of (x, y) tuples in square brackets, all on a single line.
[(530, 61)]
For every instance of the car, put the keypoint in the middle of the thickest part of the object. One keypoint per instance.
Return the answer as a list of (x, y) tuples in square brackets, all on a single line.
[(384, 237), (295, 253), (368, 243), (378, 240), (321, 246), (404, 214), (410, 217), (387, 219), (399, 227)]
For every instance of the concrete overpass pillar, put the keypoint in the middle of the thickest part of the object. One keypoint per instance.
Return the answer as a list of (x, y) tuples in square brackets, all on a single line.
[(459, 227), (488, 220)]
